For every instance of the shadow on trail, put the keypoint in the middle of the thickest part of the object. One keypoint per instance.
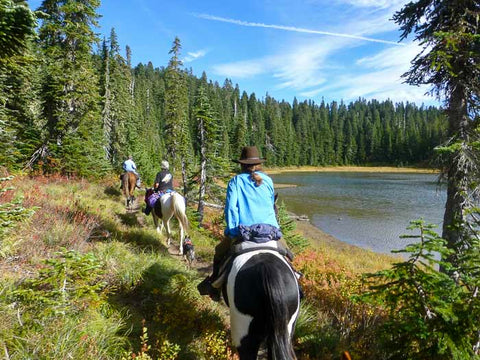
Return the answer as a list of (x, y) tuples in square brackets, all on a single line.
[(112, 191), (167, 300), (129, 219), (136, 236), (144, 240)]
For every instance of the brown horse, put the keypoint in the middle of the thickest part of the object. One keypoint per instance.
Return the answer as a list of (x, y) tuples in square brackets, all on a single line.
[(128, 186)]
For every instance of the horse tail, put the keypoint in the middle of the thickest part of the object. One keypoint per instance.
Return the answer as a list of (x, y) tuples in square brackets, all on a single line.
[(179, 210), (132, 179), (279, 341)]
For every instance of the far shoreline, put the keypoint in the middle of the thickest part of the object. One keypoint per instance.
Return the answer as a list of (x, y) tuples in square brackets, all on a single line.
[(369, 169)]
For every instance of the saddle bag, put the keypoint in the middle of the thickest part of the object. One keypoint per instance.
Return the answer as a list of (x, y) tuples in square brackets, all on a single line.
[(259, 233)]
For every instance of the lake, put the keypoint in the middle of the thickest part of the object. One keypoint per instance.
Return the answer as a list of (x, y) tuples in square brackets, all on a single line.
[(369, 210)]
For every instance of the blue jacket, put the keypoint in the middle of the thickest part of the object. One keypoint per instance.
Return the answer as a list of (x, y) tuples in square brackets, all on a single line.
[(247, 204)]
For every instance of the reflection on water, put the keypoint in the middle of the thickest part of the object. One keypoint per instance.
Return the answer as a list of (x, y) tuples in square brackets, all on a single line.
[(370, 210)]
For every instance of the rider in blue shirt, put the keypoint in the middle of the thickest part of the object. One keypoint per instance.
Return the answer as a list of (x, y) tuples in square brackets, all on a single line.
[(250, 201), (129, 165)]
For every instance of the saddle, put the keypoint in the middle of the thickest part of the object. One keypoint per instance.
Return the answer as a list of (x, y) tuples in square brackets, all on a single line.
[(152, 197), (242, 247)]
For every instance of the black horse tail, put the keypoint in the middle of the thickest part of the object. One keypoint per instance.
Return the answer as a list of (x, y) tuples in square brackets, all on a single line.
[(279, 340)]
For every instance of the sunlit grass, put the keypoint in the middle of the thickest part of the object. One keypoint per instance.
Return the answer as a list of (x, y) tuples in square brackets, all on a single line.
[(147, 288), (90, 217)]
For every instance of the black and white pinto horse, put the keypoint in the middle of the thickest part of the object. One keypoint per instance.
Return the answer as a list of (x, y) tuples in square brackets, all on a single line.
[(171, 204), (264, 300)]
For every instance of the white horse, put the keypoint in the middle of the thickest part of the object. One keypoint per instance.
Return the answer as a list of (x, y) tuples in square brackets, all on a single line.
[(264, 300), (171, 204)]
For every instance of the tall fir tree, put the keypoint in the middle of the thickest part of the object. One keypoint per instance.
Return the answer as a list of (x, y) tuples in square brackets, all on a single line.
[(450, 62), (177, 136), (212, 165), (70, 95), (18, 83)]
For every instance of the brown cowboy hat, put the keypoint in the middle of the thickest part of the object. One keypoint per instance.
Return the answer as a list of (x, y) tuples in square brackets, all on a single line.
[(249, 156)]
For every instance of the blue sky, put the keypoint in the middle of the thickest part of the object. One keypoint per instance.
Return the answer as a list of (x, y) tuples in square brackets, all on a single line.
[(335, 49)]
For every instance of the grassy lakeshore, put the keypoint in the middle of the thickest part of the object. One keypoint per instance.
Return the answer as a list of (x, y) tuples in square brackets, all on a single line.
[(370, 169), (354, 258)]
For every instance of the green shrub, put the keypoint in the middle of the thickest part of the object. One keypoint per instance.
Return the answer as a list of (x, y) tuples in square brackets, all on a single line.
[(432, 314)]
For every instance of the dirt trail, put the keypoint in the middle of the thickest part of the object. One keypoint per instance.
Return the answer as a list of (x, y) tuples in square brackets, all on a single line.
[(203, 267)]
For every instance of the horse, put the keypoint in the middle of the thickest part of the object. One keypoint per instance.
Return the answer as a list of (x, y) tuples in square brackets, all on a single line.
[(170, 204), (128, 186), (263, 296)]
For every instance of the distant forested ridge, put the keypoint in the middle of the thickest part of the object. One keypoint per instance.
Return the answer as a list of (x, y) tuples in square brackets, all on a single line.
[(71, 106)]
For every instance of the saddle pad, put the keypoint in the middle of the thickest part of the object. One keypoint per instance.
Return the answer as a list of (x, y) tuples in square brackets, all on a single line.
[(152, 199), (238, 249), (244, 245)]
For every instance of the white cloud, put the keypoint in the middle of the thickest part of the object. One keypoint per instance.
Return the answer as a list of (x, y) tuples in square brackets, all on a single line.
[(391, 57), (294, 29), (242, 69), (304, 66), (378, 77), (327, 66), (300, 67), (191, 56), (381, 4)]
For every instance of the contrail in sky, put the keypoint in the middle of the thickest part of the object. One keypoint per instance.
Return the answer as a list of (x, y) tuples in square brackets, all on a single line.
[(291, 28)]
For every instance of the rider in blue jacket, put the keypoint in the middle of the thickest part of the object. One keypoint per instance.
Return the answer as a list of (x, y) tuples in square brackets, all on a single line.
[(129, 165), (250, 201)]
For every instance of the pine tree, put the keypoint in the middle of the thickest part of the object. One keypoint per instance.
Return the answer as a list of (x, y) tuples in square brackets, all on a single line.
[(177, 136), (212, 165), (73, 128), (17, 82), (450, 63), (118, 124)]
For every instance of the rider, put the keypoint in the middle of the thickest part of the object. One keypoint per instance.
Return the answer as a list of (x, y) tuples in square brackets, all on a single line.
[(163, 183), (249, 201), (129, 165)]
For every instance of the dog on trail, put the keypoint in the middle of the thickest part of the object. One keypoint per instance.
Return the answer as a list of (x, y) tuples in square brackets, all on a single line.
[(188, 251)]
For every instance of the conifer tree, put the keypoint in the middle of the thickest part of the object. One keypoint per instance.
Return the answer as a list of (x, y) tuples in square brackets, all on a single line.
[(212, 165), (118, 104), (450, 63), (17, 82), (73, 128), (177, 136)]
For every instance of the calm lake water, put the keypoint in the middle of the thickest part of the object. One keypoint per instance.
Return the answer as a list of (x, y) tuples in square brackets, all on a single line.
[(370, 210)]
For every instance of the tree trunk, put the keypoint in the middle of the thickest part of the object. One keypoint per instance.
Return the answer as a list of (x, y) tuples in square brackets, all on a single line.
[(457, 172), (184, 179), (203, 172)]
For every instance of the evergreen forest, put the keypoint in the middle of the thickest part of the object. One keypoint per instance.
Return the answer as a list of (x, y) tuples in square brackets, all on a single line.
[(73, 103)]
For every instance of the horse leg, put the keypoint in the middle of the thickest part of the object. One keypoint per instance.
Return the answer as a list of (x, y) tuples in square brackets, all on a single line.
[(182, 235), (155, 222), (248, 349), (166, 224)]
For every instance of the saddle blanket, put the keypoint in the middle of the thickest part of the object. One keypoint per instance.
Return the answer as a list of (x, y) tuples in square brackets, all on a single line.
[(151, 197), (239, 248)]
